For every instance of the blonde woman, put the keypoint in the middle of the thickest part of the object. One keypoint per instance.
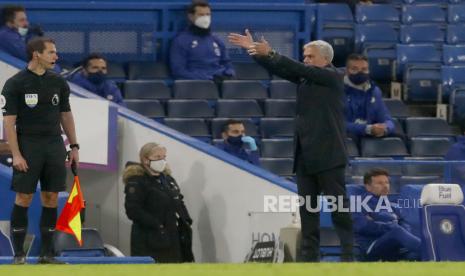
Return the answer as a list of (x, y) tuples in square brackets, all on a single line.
[(161, 223)]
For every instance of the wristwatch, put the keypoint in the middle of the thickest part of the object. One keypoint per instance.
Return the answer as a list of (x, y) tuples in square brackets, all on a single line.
[(272, 54), (74, 146)]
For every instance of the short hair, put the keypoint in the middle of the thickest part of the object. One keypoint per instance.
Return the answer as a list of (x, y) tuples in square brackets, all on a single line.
[(355, 57), (37, 44), (9, 12), (85, 62), (326, 50), (226, 125), (372, 173), (195, 4)]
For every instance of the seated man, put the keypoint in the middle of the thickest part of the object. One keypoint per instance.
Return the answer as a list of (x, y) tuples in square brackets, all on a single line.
[(366, 114), (236, 143), (93, 78), (196, 53), (382, 234), (13, 32)]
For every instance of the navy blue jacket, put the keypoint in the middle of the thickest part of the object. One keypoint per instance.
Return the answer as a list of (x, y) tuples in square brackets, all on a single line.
[(369, 226), (12, 43), (249, 156), (199, 57), (107, 89), (457, 152), (364, 108)]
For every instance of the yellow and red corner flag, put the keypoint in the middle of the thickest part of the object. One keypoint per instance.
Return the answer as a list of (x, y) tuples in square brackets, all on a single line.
[(70, 217)]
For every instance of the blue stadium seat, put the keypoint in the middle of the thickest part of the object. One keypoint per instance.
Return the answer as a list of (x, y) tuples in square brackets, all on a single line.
[(352, 149), (335, 25), (148, 108), (383, 147), (456, 14), (375, 36), (381, 62), (453, 54), (280, 108), (429, 146), (414, 14), (397, 108), (277, 127), (419, 180), (146, 89), (251, 128), (426, 126), (377, 13), (279, 166), (456, 34), (116, 71), (243, 89), (65, 245), (142, 70), (419, 169), (250, 71), (189, 109), (453, 77), (282, 89), (197, 128), (354, 180), (361, 168), (238, 108), (277, 148), (422, 33), (195, 89), (457, 104)]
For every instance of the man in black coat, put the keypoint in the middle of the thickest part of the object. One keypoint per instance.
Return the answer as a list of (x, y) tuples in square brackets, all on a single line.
[(320, 155)]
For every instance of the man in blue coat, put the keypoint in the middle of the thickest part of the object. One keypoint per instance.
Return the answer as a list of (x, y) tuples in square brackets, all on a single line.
[(93, 77), (196, 53), (381, 232), (366, 114), (14, 31), (237, 143)]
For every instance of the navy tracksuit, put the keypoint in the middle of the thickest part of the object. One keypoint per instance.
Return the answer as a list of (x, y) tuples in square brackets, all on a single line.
[(107, 89)]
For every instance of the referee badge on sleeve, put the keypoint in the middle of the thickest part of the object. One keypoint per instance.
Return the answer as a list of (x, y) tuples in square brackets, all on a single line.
[(31, 100), (55, 99)]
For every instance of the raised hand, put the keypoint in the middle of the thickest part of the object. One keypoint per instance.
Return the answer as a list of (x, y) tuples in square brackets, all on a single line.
[(244, 41), (261, 48)]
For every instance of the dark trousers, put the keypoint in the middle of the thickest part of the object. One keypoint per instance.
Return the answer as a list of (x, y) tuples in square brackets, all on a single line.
[(329, 182), (397, 244)]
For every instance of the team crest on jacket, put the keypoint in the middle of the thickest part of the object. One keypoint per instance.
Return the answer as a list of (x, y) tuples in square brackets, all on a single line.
[(31, 100), (55, 99), (216, 48)]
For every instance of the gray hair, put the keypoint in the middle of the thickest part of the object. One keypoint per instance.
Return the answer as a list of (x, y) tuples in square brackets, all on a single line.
[(326, 50)]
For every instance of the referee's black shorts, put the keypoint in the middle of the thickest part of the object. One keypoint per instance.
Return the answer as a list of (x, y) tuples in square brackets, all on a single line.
[(45, 157)]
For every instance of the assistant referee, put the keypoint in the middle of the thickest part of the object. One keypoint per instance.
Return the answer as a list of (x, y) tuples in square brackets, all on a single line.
[(35, 103)]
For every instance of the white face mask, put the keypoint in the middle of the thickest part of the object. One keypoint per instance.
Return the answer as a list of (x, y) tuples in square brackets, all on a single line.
[(22, 31), (158, 165), (203, 21)]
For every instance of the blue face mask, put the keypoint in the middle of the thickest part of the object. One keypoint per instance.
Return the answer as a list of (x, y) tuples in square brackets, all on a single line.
[(235, 141), (97, 77), (359, 78)]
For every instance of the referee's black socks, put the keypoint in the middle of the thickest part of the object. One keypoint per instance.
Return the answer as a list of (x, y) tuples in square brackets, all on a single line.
[(47, 228), (19, 228)]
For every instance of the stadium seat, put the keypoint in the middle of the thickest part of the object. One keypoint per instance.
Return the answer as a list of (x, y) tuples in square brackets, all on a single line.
[(140, 70), (422, 33), (251, 128), (419, 180), (279, 166), (425, 126), (65, 245), (277, 148), (6, 249), (453, 77), (197, 128), (189, 109), (195, 89), (397, 108), (116, 71), (421, 169), (146, 89), (250, 71), (352, 149), (361, 165), (280, 108), (377, 13), (238, 108), (442, 218), (375, 36), (381, 63), (383, 147), (455, 34), (414, 14), (354, 180), (148, 108), (453, 54), (277, 127), (282, 89), (243, 89), (457, 104), (429, 146), (456, 14)]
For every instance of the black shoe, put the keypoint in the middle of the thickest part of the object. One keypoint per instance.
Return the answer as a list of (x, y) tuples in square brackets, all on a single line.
[(49, 260), (19, 260)]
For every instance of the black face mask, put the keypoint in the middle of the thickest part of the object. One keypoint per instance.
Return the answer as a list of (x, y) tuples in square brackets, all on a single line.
[(97, 77), (359, 78), (199, 31), (235, 141)]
